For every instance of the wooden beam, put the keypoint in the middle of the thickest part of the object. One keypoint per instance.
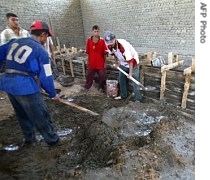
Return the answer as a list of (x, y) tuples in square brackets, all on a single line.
[(171, 66), (63, 64), (170, 58), (58, 44), (69, 59), (71, 67), (193, 65), (176, 58), (163, 85)]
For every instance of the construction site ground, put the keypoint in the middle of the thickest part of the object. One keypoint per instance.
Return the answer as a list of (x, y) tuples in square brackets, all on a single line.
[(128, 140)]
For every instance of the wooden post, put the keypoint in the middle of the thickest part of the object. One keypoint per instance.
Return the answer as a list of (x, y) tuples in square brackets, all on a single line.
[(163, 84), (187, 73), (63, 64), (176, 58), (71, 67), (163, 77), (51, 27), (154, 55), (149, 56), (193, 65), (170, 58), (69, 59), (58, 43)]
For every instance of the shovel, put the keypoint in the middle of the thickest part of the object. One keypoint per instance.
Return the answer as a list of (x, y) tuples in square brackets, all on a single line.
[(73, 105), (150, 88)]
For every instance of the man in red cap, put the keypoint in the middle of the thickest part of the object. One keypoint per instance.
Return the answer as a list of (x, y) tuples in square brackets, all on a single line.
[(26, 59)]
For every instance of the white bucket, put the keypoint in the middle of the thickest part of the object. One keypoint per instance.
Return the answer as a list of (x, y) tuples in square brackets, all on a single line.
[(111, 88)]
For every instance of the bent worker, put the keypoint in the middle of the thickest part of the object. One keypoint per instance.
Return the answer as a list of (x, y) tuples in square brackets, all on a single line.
[(26, 59), (126, 57)]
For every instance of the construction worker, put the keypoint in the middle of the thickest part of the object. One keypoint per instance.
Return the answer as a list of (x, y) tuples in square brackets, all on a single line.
[(96, 50), (26, 59), (127, 59)]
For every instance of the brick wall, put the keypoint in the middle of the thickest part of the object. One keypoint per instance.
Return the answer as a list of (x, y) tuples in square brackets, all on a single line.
[(159, 25)]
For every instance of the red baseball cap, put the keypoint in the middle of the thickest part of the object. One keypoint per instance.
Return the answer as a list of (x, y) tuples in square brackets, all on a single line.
[(39, 25)]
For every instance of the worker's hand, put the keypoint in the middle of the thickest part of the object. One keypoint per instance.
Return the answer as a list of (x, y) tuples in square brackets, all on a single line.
[(116, 65), (129, 75), (56, 98)]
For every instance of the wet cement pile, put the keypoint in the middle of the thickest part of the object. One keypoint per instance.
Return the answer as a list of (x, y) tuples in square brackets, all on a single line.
[(127, 140)]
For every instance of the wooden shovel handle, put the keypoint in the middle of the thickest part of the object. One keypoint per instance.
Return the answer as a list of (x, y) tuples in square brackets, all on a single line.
[(74, 105)]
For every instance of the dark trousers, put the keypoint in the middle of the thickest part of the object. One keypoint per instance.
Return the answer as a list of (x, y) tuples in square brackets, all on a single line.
[(124, 83), (55, 71), (90, 78), (32, 113)]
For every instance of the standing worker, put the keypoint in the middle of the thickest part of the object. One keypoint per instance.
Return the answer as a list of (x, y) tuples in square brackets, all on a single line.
[(96, 50), (127, 59), (26, 59), (50, 49), (13, 30)]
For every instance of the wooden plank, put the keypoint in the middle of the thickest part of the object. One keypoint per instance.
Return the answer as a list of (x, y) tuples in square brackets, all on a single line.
[(163, 85), (187, 73), (171, 66), (63, 65), (176, 57), (193, 65), (170, 58)]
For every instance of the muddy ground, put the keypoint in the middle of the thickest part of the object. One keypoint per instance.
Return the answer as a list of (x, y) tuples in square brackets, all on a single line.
[(127, 140)]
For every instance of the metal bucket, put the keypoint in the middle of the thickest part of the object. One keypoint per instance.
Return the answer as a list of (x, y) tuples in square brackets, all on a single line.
[(111, 88)]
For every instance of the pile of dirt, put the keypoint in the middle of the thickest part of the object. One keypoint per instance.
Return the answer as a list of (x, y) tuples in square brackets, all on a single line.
[(127, 140)]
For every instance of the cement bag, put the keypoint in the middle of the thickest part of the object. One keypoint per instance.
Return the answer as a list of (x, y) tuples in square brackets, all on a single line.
[(158, 61), (111, 88)]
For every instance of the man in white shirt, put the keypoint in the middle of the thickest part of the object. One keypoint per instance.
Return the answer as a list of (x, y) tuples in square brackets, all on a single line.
[(13, 30)]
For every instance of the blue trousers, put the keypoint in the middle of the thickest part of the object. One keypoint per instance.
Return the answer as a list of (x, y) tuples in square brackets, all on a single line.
[(32, 112), (124, 83)]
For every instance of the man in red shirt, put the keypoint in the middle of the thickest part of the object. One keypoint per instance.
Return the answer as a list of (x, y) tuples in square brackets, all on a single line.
[(96, 49)]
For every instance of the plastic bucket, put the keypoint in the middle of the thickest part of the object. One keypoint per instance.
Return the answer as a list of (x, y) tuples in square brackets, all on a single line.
[(111, 88)]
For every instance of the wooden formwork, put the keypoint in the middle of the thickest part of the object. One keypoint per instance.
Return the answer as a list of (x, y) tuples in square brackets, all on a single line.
[(68, 62), (171, 85), (70, 66), (174, 86)]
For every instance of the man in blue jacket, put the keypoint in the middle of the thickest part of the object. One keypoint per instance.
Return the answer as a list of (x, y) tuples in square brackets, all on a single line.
[(27, 71)]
